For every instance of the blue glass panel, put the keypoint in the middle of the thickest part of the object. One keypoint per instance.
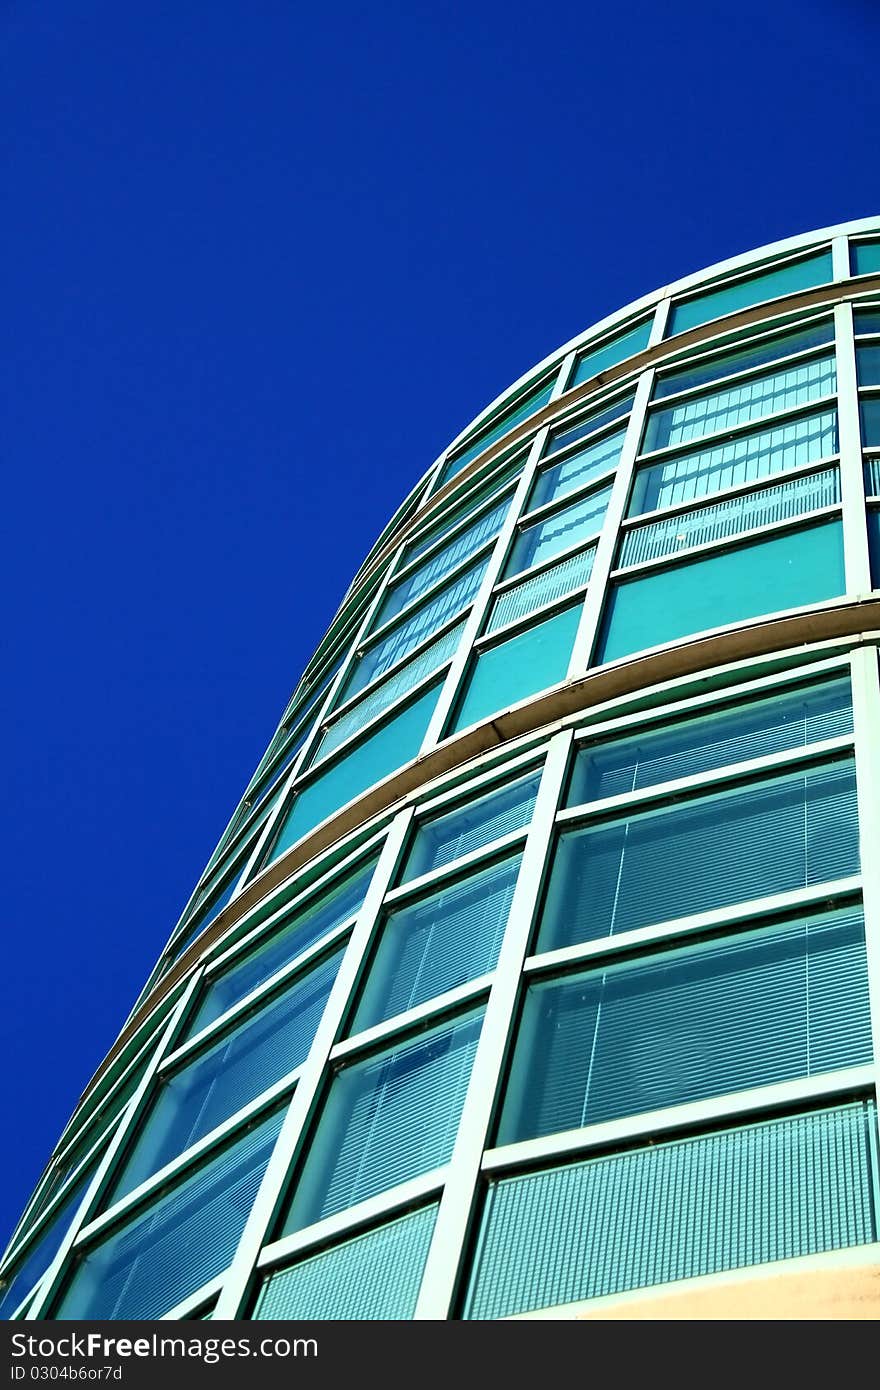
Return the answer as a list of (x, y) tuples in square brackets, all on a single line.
[(531, 661), (432, 571), (437, 943), (411, 631), (445, 837), (874, 545), (168, 1251), (473, 501), (566, 434), (375, 1275), (785, 571), (571, 526), (709, 851), (677, 1026), (577, 470), (23, 1276), (868, 365), (539, 590), (866, 321), (388, 1118), (528, 405), (756, 728), (727, 298), (221, 1081), (785, 389), (749, 355), (598, 359), (869, 410), (745, 459), (865, 257), (772, 1191), (306, 926), (380, 754)]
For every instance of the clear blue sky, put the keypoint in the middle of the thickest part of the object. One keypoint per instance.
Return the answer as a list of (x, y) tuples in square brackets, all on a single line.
[(260, 261)]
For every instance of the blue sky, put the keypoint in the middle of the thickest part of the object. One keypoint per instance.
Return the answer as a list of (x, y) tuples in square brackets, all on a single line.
[(261, 260)]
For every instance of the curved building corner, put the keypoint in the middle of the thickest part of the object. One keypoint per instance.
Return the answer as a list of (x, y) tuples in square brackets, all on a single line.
[(537, 973)]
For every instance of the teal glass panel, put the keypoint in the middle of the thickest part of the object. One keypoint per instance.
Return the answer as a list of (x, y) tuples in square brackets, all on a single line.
[(407, 590), (707, 852), (720, 521), (537, 590), (678, 1026), (599, 359), (572, 526), (756, 728), (454, 517), (577, 470), (383, 694), (531, 661), (386, 1119), (410, 632), (869, 410), (868, 366), (375, 1275), (727, 298), (183, 1239), (443, 838), (866, 321), (874, 545), (738, 1197), (564, 435), (750, 354), (528, 405), (375, 758), (191, 1102), (872, 477), (786, 571), (21, 1278), (865, 257), (437, 943), (271, 953), (800, 384), (748, 458)]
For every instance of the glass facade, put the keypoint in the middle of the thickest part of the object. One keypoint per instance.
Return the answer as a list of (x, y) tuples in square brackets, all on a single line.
[(540, 962)]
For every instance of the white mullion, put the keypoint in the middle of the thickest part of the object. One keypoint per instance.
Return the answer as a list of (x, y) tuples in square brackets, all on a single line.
[(606, 550), (446, 1251), (735, 916), (736, 1107), (276, 817), (857, 561), (293, 1130), (480, 606), (104, 1172), (866, 718), (562, 380), (840, 258), (659, 322)]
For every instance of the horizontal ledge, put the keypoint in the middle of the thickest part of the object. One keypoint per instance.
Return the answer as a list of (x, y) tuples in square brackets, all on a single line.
[(848, 618)]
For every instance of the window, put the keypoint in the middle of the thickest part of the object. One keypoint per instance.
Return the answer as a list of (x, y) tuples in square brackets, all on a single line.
[(709, 851), (747, 353), (865, 257), (729, 296), (42, 1251), (269, 954), (447, 836), (598, 359), (729, 586), (437, 943), (559, 532), (531, 402), (222, 1080), (681, 1025), (531, 661), (387, 1118), (575, 471)]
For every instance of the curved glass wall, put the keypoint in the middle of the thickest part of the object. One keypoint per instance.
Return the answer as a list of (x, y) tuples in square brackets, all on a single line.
[(540, 962)]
